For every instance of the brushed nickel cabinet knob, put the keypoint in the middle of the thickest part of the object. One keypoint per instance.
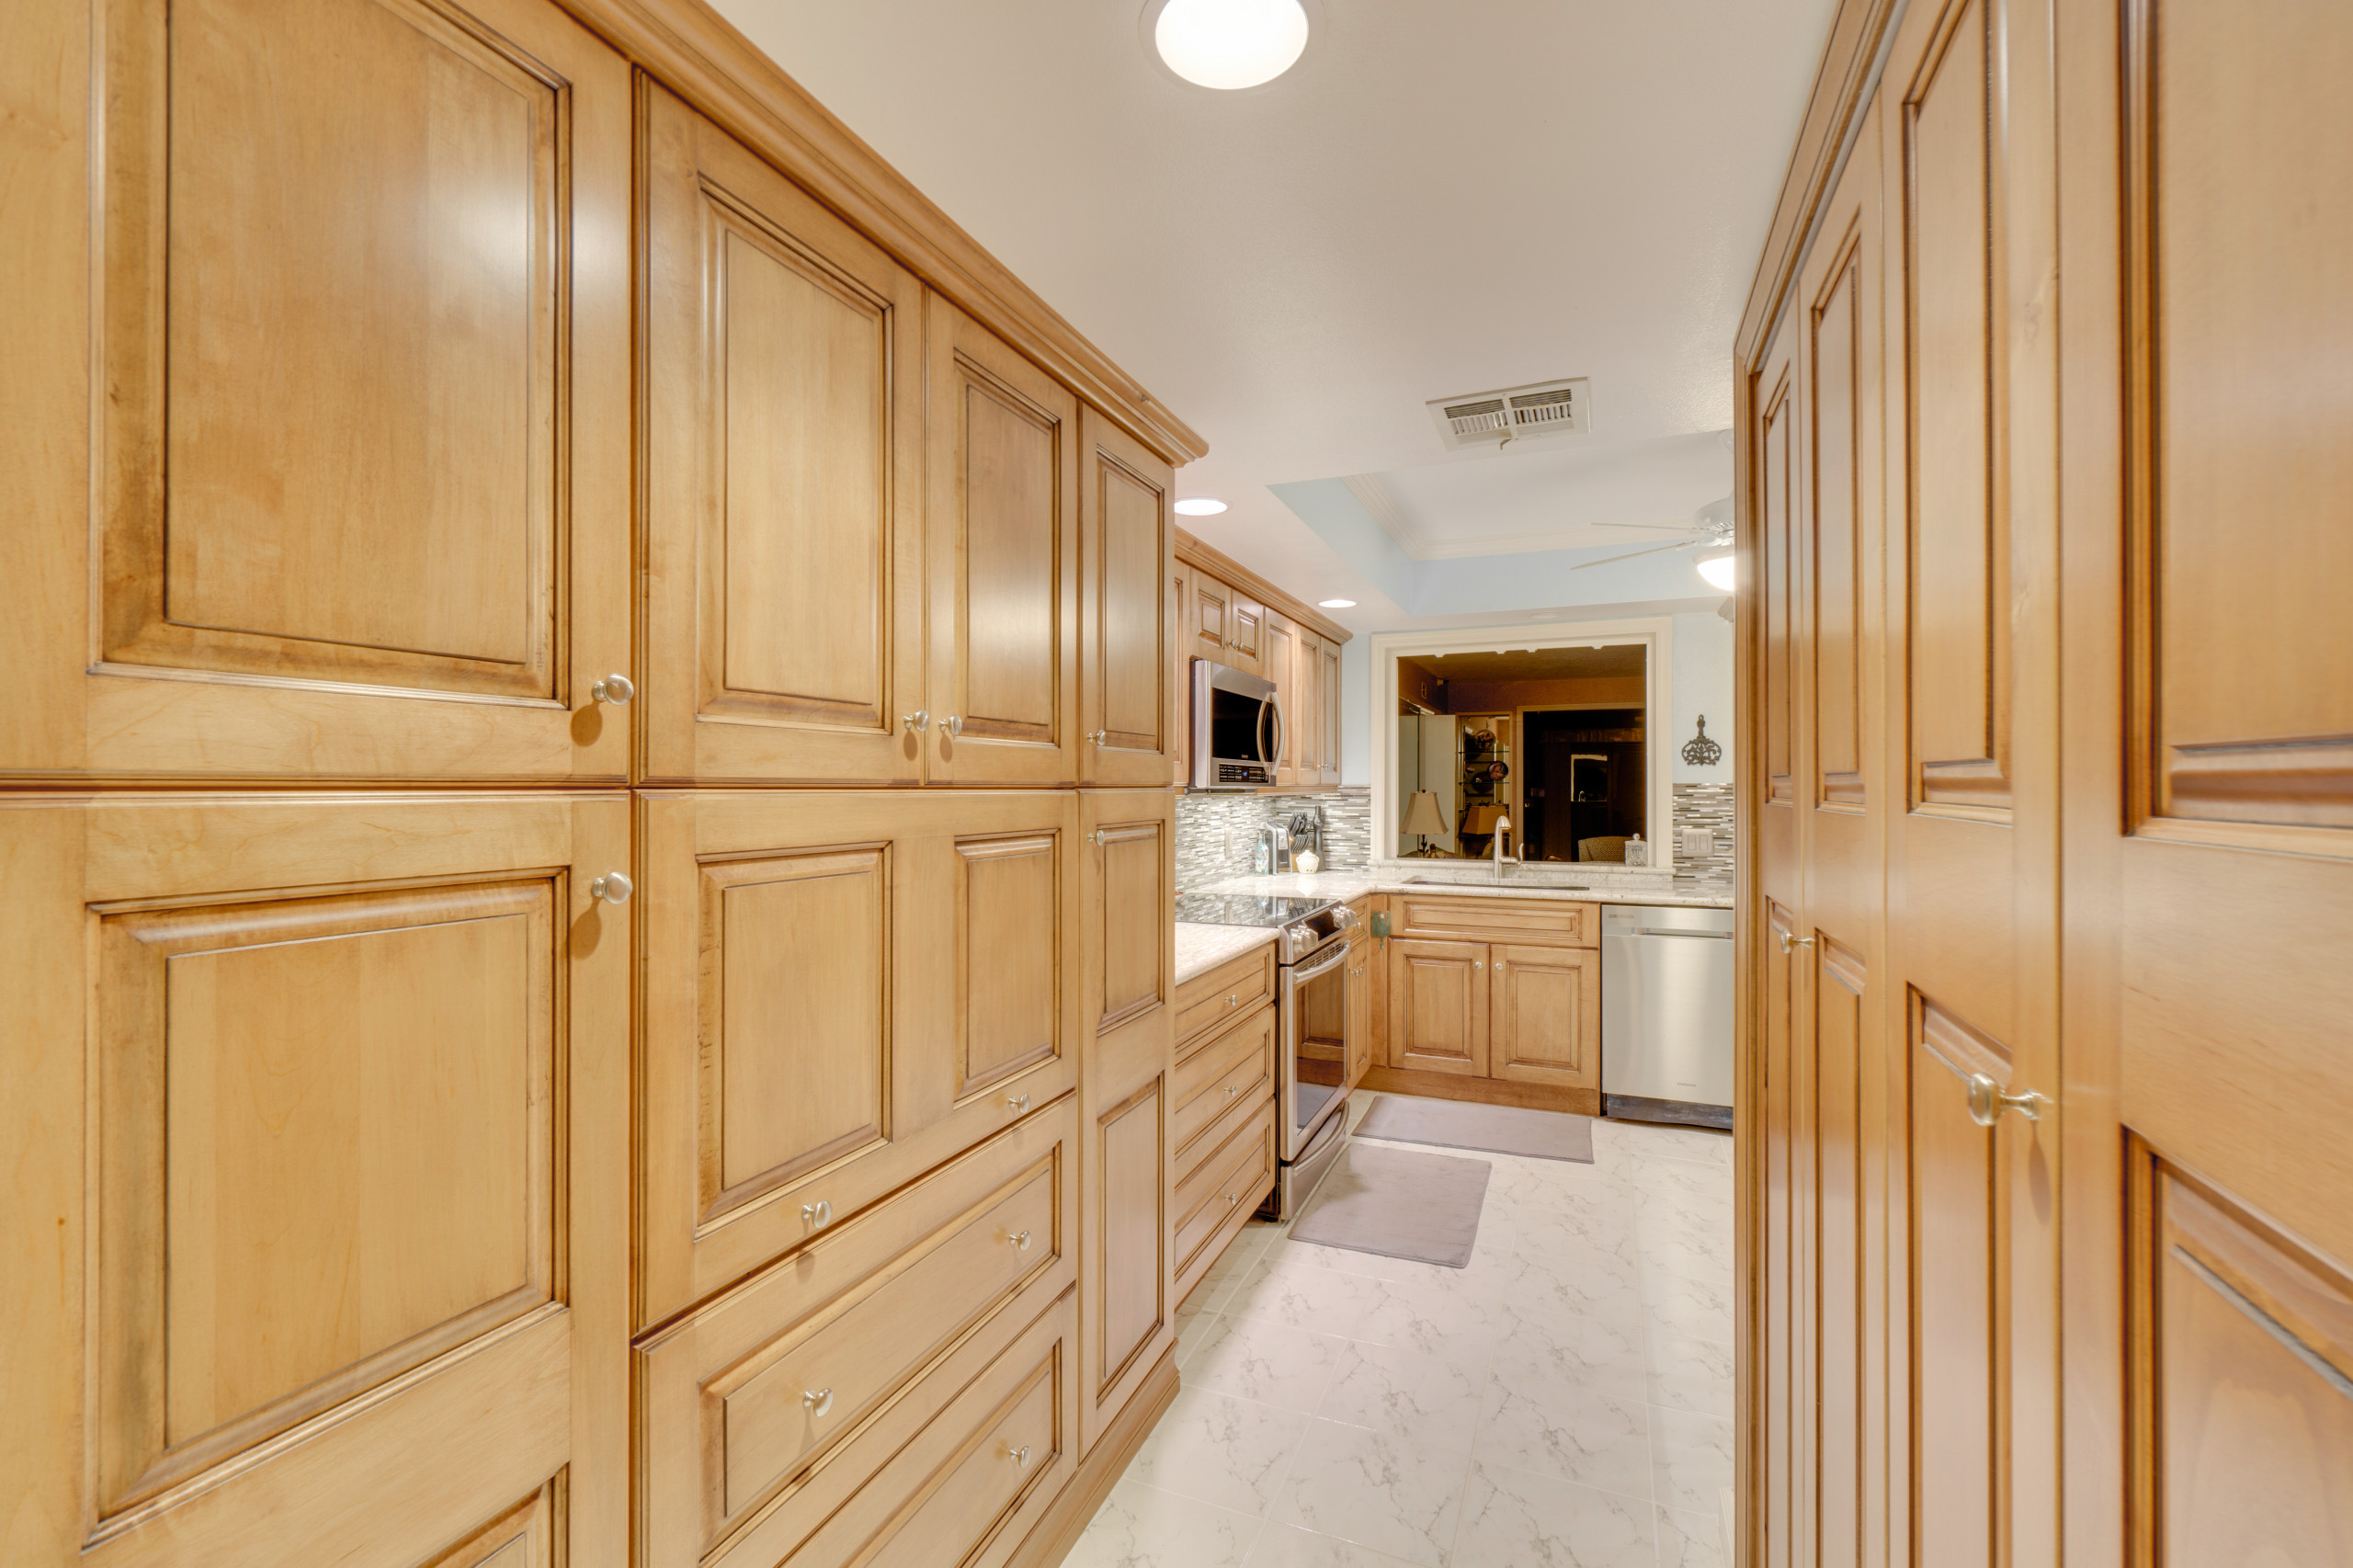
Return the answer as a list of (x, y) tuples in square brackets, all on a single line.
[(820, 1214), (817, 1402), (613, 887), (615, 688)]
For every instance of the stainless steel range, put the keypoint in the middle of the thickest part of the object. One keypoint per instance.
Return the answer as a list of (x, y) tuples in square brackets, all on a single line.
[(1312, 1016)]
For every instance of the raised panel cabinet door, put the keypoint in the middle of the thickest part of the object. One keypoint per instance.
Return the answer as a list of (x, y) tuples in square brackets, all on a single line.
[(1544, 1015), (1280, 664), (318, 1113), (1328, 711), (1206, 620), (1002, 522), (355, 502), (1302, 711), (1245, 625), (1438, 1007), (1363, 959), (1128, 1175), (1127, 703), (842, 990), (783, 484), (2210, 656)]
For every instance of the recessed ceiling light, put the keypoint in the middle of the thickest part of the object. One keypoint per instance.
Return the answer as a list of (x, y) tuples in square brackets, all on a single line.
[(1335, 604), (1229, 44), (1199, 507)]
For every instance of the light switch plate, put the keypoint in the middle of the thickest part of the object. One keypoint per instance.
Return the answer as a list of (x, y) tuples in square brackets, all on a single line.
[(1698, 842)]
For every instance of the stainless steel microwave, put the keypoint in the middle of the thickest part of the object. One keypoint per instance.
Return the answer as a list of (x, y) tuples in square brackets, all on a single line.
[(1237, 728)]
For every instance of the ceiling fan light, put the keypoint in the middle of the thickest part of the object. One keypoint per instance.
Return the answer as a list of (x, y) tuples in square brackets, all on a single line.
[(1230, 44), (1717, 567)]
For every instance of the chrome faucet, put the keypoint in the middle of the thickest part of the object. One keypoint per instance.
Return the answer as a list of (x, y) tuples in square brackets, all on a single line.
[(1503, 825)]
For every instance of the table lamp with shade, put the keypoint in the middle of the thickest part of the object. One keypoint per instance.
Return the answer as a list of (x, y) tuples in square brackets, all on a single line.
[(1424, 819)]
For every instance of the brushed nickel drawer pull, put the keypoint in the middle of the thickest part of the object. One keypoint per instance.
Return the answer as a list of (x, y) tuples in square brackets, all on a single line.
[(1789, 942), (1020, 1456), (818, 1401), (1231, 1090), (1019, 1240), (1017, 1103), (820, 1214)]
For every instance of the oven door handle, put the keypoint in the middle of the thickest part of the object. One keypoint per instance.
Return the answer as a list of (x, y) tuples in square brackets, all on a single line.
[(1300, 977)]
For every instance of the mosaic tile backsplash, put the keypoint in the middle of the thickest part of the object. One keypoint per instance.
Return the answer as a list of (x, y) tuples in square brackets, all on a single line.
[(1215, 831)]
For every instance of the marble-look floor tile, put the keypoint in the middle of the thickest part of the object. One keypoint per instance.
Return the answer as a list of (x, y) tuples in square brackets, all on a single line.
[(1142, 1527), (1592, 1439), (1688, 1540), (1690, 1458), (1191, 1324), (1308, 1296), (1514, 1518), (1374, 1488), (1217, 1449), (1588, 1355), (1287, 1546), (1425, 1398), (1690, 1373), (1540, 1288), (1438, 1319), (1270, 1362), (1700, 1307)]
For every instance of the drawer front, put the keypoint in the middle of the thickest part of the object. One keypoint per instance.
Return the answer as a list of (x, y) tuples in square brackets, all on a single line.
[(1204, 1257), (761, 1411), (1237, 1065), (1216, 1130), (1226, 991), (1225, 1183), (1498, 920), (969, 1488)]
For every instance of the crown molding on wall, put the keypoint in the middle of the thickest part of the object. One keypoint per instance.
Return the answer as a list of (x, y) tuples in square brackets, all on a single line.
[(699, 55), (1194, 552)]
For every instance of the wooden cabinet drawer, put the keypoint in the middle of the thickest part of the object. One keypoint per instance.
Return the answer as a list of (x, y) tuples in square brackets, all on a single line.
[(1235, 1066), (1230, 990), (1228, 1181), (765, 1410), (969, 1488), (1497, 919)]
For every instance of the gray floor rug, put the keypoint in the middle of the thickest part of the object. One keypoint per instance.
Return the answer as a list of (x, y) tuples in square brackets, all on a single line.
[(1398, 1203), (1496, 1128)]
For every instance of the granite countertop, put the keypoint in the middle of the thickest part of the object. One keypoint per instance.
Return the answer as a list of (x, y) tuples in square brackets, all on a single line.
[(1203, 948), (1703, 893)]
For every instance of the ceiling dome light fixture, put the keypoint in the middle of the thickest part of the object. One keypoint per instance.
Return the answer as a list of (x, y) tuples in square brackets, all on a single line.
[(1717, 567), (1335, 604), (1229, 44), (1199, 507)]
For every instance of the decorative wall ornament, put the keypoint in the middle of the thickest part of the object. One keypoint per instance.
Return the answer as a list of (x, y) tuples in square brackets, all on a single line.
[(1699, 751)]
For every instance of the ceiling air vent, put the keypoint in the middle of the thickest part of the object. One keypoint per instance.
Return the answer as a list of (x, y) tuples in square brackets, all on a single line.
[(1515, 413)]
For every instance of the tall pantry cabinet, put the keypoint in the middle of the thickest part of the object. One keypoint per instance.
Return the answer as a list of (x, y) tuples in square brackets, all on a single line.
[(587, 815)]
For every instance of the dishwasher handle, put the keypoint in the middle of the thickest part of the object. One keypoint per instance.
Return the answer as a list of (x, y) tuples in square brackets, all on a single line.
[(1656, 931)]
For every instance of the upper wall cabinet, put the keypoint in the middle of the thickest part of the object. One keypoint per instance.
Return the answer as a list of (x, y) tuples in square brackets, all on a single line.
[(783, 489), (1003, 530), (1126, 544), (358, 486)]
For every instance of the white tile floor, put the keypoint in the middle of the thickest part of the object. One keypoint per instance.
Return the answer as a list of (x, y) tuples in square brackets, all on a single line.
[(1565, 1400)]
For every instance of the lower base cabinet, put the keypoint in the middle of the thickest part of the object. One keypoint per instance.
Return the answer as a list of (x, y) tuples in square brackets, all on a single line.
[(1494, 999)]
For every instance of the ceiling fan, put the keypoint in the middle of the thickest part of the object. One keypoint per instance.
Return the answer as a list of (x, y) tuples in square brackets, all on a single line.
[(1709, 530)]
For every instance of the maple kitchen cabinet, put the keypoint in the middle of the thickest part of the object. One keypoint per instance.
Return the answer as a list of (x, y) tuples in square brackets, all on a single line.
[(598, 902), (417, 573), (1230, 615), (1495, 999)]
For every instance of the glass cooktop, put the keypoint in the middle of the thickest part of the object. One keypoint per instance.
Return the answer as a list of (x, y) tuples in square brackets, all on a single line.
[(1242, 909)]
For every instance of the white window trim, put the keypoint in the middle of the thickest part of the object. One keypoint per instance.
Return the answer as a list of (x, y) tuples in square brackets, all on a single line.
[(1653, 634)]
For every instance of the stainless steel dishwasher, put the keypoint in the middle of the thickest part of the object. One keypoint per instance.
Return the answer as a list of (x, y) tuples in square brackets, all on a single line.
[(1666, 1014)]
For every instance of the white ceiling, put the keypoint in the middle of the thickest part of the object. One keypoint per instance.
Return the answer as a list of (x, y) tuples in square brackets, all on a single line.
[(1438, 198)]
